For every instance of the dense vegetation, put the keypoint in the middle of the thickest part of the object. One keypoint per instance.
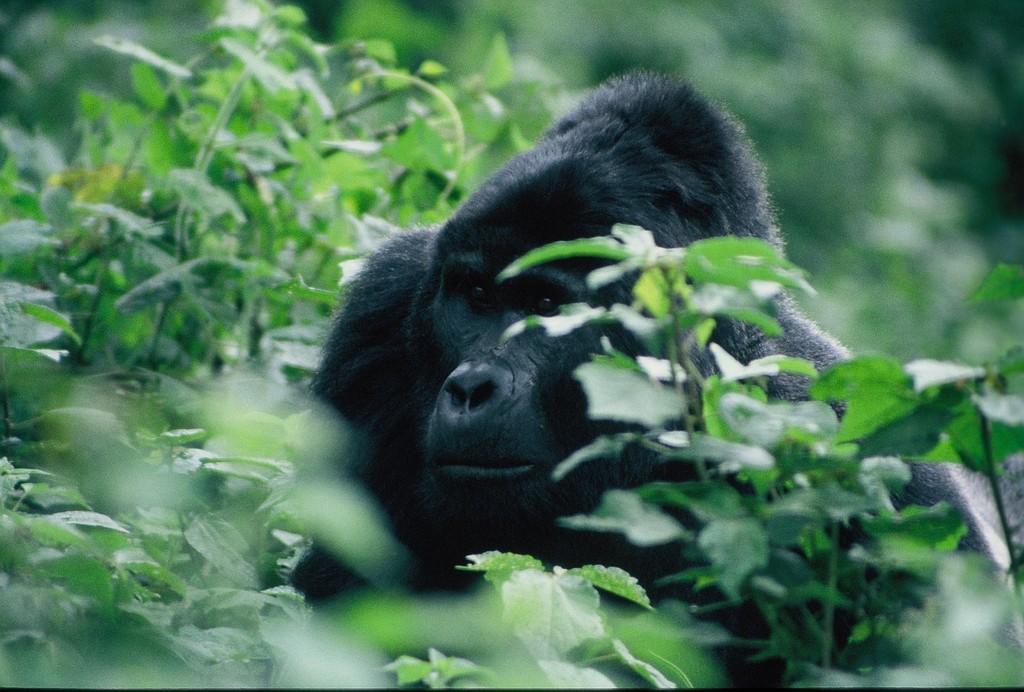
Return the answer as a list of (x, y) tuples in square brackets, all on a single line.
[(169, 262)]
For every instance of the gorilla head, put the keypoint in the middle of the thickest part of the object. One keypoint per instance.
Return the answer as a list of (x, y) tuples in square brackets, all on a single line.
[(461, 429)]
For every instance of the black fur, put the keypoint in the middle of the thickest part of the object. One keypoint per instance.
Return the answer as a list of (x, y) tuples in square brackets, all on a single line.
[(460, 431)]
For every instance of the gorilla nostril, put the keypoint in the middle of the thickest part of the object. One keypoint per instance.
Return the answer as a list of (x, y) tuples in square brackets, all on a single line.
[(481, 394), (473, 385)]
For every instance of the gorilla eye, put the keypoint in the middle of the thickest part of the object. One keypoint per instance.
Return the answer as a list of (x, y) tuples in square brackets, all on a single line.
[(479, 296), (546, 307)]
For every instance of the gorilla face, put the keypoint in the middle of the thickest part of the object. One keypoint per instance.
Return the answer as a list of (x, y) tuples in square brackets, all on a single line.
[(462, 427)]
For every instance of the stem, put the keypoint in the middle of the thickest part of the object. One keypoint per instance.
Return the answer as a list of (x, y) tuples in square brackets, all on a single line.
[(687, 387), (205, 154), (1004, 523), (6, 401), (829, 617), (453, 113)]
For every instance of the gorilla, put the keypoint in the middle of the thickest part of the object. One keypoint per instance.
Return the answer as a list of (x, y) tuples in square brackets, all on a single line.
[(458, 428)]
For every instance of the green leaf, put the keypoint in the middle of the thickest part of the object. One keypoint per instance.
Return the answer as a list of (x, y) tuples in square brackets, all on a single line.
[(876, 391), (83, 518), (929, 373), (499, 566), (51, 317), (22, 236), (1004, 282), (552, 613), (272, 77), (616, 581), (912, 435), (731, 456), (616, 393), (196, 191), (601, 247), (604, 447), (222, 545), (768, 424), (148, 87), (144, 54), (736, 261), (622, 511), (497, 67), (737, 548)]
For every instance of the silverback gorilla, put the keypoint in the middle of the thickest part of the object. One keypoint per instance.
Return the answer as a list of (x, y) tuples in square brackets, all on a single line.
[(460, 430)]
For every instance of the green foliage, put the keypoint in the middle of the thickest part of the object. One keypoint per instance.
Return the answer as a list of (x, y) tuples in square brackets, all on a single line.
[(837, 605), (166, 282)]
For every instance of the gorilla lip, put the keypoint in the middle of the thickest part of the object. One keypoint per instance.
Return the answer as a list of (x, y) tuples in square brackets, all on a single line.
[(469, 472)]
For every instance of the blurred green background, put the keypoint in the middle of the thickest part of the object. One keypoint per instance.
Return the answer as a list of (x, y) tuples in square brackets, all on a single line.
[(892, 131)]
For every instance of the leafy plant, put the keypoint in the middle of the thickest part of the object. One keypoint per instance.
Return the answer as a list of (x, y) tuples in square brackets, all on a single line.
[(794, 507), (165, 286)]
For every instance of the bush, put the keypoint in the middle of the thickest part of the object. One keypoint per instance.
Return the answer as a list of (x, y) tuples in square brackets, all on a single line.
[(165, 290)]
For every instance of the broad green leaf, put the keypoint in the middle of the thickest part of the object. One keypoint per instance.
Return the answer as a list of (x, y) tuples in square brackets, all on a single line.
[(272, 77), (23, 236), (928, 373), (1004, 282), (736, 261), (914, 434), (601, 247), (552, 613), (498, 566), (622, 511), (144, 54), (768, 424), (876, 390), (497, 67), (221, 545), (83, 518), (148, 87), (1005, 408), (616, 581), (737, 548), (731, 456), (51, 317), (615, 393)]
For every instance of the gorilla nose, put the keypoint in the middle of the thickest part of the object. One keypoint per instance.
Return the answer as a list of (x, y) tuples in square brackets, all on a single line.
[(473, 388)]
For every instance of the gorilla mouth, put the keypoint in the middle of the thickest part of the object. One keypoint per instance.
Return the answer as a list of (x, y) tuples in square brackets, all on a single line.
[(463, 470)]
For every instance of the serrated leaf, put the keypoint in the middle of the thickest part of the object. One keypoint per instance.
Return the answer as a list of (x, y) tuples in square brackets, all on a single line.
[(767, 424), (144, 54), (497, 67), (622, 511), (876, 390), (616, 581), (929, 373), (195, 190), (732, 456), (551, 613), (83, 518), (625, 395), (220, 543), (498, 566), (737, 548), (23, 236), (1004, 282), (272, 77), (736, 261), (1005, 408)]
